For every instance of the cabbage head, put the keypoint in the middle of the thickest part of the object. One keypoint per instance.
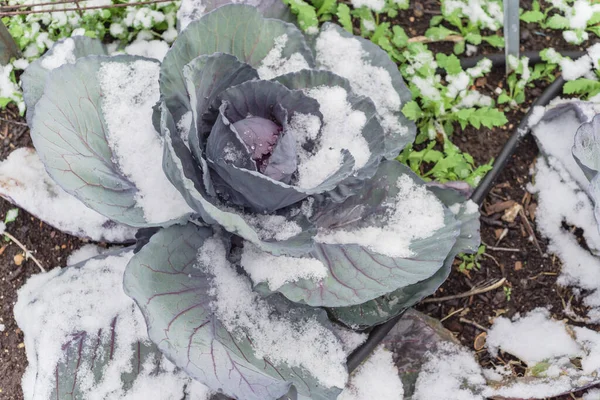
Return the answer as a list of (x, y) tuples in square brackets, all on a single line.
[(259, 167)]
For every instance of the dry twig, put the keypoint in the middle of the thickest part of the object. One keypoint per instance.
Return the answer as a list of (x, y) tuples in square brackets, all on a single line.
[(28, 254), (470, 293), (77, 8)]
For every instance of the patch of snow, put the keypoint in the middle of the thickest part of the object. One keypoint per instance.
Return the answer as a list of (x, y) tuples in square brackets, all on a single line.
[(350, 339), (270, 227), (593, 394), (532, 338), (129, 93), (83, 253), (189, 10), (450, 373), (487, 14), (9, 89), (2, 228), (302, 344), (276, 271), (24, 180), (377, 378), (184, 125), (275, 64), (156, 49), (374, 5), (342, 129), (415, 213), (334, 51), (54, 306), (62, 53)]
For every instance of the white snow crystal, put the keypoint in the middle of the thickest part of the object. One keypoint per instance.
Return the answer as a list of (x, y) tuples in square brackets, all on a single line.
[(54, 306), (450, 373), (83, 253), (333, 53), (342, 129), (279, 270), (62, 54), (129, 93), (532, 338), (415, 213), (24, 180), (156, 49), (275, 64), (303, 344), (375, 5), (377, 378)]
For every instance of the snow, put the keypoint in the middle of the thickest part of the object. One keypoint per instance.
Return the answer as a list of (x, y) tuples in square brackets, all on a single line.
[(2, 228), (302, 344), (274, 64), (83, 253), (449, 373), (9, 89), (276, 271), (269, 227), (377, 378), (593, 394), (2, 327), (129, 93), (184, 125), (24, 180), (522, 338), (334, 51), (485, 13), (156, 49), (375, 5), (54, 306), (415, 213), (457, 84), (342, 129), (560, 200), (189, 10), (62, 53), (350, 339)]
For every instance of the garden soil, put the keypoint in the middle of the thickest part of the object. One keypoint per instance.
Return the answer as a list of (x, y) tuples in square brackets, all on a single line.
[(530, 274)]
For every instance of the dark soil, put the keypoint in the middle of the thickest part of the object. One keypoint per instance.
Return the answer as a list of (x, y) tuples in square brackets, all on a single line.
[(530, 273)]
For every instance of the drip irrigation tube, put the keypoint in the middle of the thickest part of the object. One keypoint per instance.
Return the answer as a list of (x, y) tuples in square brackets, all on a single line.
[(378, 333)]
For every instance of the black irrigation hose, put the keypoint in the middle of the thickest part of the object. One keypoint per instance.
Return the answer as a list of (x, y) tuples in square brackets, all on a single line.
[(379, 332)]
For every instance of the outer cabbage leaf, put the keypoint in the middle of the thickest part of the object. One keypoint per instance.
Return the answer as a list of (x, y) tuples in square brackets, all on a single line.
[(72, 355), (69, 133), (191, 10), (173, 290), (25, 183), (34, 78), (367, 76), (357, 274), (234, 29), (192, 179), (386, 307)]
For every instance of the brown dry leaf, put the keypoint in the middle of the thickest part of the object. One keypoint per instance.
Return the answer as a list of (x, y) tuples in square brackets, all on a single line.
[(498, 233), (18, 259), (511, 213), (479, 342), (499, 207), (531, 210), (518, 266), (2, 249)]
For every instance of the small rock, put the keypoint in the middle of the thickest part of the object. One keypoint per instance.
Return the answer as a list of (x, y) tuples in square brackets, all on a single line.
[(518, 266), (418, 10), (18, 259), (525, 35)]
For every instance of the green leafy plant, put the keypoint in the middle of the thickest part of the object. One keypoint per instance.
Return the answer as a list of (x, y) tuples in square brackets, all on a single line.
[(272, 212), (469, 262), (468, 21), (438, 105), (448, 164), (521, 77)]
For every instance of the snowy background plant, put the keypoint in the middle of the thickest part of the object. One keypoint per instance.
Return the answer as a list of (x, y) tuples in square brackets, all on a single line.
[(271, 215)]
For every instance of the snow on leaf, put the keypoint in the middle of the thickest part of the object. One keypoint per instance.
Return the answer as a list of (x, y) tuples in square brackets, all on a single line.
[(190, 297)]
